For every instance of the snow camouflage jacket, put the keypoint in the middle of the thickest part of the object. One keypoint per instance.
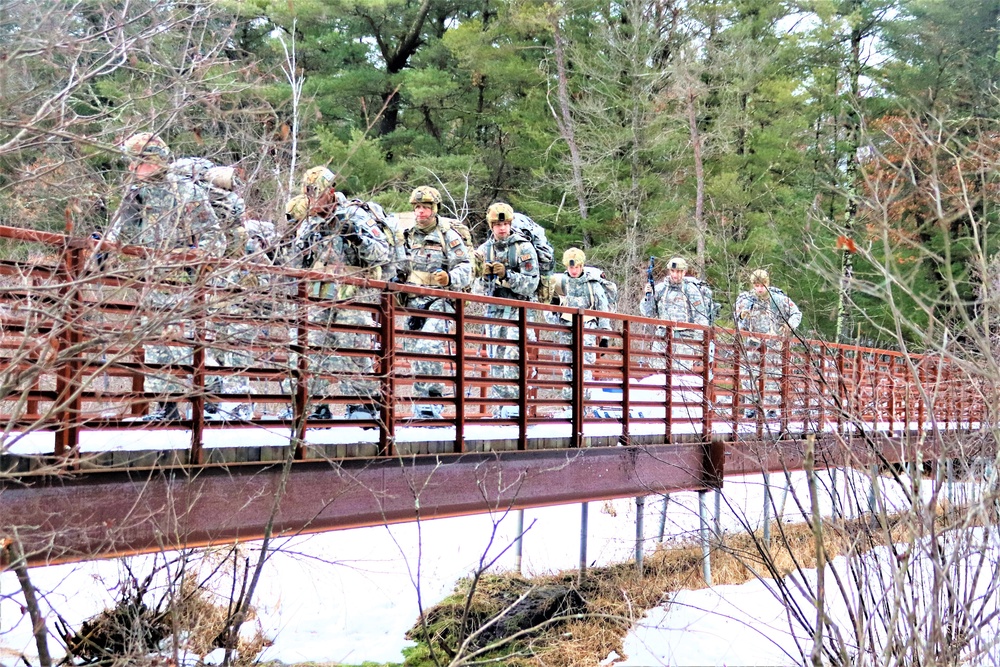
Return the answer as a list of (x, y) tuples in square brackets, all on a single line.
[(167, 214), (766, 314), (521, 260), (678, 302)]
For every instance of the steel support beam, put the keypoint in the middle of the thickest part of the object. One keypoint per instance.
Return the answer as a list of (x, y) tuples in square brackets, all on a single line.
[(118, 513)]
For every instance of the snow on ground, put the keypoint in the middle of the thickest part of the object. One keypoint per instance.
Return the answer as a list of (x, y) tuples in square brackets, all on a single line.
[(349, 596)]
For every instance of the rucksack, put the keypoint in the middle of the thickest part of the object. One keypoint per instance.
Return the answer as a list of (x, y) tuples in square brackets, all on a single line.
[(595, 274), (462, 229), (220, 184), (387, 225), (535, 234), (714, 307)]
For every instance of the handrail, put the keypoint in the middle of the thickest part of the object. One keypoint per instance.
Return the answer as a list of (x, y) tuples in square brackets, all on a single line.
[(76, 329)]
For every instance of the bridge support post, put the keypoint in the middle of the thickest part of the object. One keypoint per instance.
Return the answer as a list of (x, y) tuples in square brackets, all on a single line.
[(706, 551), (640, 509), (767, 509), (519, 543), (663, 516), (583, 541)]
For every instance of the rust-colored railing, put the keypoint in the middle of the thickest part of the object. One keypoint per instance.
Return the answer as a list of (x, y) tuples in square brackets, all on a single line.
[(86, 329)]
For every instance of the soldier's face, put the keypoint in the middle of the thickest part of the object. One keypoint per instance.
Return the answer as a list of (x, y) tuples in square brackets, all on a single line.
[(143, 170), (575, 270), (760, 289), (675, 275), (501, 229), (423, 214)]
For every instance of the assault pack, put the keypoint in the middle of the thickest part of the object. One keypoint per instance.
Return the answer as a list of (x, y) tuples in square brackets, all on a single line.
[(534, 233), (714, 307)]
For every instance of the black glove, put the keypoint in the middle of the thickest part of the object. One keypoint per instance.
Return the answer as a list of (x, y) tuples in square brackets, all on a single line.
[(604, 342)]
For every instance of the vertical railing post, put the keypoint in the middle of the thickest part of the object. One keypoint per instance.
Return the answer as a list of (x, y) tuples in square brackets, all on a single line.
[(522, 379), (460, 378), (387, 378), (626, 437), (892, 394), (68, 401), (842, 400), (301, 372), (576, 438), (668, 401), (707, 394), (786, 380), (739, 358), (199, 339)]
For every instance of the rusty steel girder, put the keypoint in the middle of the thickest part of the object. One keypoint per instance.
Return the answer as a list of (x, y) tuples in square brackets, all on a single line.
[(116, 513)]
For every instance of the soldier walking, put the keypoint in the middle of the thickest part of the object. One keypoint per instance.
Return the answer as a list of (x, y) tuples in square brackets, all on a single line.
[(582, 286), (329, 239), (679, 298), (172, 217), (507, 268), (764, 310), (436, 257)]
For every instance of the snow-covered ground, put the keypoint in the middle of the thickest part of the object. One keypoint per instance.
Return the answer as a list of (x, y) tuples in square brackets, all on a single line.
[(349, 596)]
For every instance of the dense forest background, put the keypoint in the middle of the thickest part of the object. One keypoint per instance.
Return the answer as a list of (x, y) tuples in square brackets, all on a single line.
[(850, 147)]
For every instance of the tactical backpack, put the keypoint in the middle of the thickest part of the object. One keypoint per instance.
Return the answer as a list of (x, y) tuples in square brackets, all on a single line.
[(220, 184), (387, 225), (714, 307), (534, 233)]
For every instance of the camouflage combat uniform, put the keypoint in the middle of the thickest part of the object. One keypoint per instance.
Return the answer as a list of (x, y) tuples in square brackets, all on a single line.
[(166, 213), (438, 248), (347, 242), (773, 313), (520, 283), (585, 291), (677, 302), (234, 338)]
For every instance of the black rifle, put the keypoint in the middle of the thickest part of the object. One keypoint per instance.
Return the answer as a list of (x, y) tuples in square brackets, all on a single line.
[(652, 285)]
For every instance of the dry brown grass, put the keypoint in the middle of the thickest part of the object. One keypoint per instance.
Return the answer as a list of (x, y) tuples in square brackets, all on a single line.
[(617, 596)]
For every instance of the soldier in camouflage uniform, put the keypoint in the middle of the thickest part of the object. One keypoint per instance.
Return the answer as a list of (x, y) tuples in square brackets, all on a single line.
[(678, 299), (165, 214), (221, 185), (582, 286), (507, 267), (348, 242), (436, 257), (764, 310)]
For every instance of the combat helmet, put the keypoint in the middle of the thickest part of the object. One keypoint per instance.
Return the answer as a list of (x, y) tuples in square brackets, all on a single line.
[(425, 194), (316, 181), (147, 146), (499, 212)]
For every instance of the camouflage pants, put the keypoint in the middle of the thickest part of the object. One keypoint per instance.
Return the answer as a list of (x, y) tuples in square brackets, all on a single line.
[(683, 352), (424, 388), (340, 354), (234, 352), (505, 352), (162, 314), (589, 359), (752, 376)]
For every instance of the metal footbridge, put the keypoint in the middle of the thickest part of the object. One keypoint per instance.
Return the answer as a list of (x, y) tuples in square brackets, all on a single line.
[(557, 413)]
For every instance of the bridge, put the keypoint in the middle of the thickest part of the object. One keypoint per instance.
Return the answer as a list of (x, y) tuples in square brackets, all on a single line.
[(559, 413)]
